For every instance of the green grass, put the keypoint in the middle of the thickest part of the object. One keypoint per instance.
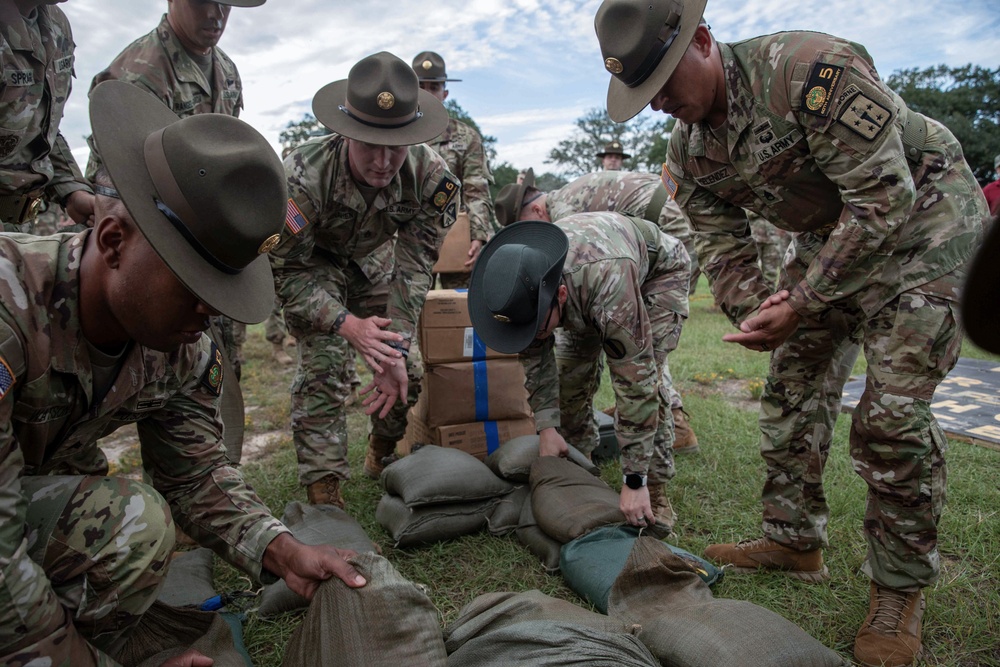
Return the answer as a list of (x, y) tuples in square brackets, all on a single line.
[(716, 494)]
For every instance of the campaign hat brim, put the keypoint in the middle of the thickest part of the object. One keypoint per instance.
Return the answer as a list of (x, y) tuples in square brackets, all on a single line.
[(432, 122)]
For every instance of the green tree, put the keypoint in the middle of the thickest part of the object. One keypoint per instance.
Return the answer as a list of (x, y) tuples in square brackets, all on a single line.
[(503, 174), (966, 100), (642, 137), (298, 132)]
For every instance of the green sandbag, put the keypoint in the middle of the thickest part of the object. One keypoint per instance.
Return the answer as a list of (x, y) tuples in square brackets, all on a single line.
[(189, 579), (431, 523), (513, 459), (441, 475), (507, 514), (541, 545)]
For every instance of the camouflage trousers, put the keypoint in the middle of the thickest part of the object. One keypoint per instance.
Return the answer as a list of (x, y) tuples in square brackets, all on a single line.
[(103, 544), (322, 382), (771, 246), (275, 329), (896, 445)]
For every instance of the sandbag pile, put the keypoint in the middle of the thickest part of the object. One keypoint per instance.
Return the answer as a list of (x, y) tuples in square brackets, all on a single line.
[(437, 494)]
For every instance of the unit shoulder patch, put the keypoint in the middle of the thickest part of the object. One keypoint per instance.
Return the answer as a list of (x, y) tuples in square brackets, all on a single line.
[(863, 115), (212, 379), (817, 94), (444, 193)]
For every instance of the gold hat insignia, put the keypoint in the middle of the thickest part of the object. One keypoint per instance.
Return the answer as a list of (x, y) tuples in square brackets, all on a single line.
[(501, 318), (268, 244), (427, 64), (386, 101), (613, 65)]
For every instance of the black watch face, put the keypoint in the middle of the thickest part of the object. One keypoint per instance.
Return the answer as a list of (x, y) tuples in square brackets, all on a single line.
[(633, 481)]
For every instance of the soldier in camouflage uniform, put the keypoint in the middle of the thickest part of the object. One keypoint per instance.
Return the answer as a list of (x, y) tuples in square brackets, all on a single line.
[(180, 63), (619, 284), (462, 149), (36, 72), (367, 213), (612, 156), (772, 242), (629, 193), (112, 335), (799, 128)]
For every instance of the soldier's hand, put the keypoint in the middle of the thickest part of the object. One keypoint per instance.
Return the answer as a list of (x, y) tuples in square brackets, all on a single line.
[(369, 337), (768, 329), (189, 658), (304, 567), (774, 300), (80, 207), (474, 249), (551, 443), (634, 504), (386, 389)]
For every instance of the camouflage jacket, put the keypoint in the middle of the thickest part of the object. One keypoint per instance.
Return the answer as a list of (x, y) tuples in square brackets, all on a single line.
[(625, 192), (36, 74), (51, 420), (814, 143), (462, 149), (606, 265), (159, 63), (329, 226)]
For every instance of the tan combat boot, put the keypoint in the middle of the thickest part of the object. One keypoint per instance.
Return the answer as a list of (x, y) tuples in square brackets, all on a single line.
[(279, 355), (662, 509), (890, 636), (378, 449), (685, 441), (766, 554), (325, 491)]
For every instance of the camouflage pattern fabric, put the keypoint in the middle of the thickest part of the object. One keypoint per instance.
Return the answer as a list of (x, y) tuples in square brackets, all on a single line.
[(51, 418), (36, 73), (628, 285), (159, 63), (818, 149), (337, 254), (275, 329), (771, 246), (51, 219)]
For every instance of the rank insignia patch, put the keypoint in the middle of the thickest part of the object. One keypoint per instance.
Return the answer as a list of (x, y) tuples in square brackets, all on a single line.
[(212, 378), (818, 91), (445, 192), (294, 219), (865, 116)]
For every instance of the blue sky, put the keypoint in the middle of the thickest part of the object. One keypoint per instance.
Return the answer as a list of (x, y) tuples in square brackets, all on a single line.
[(529, 69)]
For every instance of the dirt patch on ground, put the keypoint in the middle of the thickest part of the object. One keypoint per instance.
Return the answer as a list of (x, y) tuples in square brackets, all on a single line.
[(742, 394)]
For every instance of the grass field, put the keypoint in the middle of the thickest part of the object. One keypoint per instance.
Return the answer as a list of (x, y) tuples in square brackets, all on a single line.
[(716, 495)]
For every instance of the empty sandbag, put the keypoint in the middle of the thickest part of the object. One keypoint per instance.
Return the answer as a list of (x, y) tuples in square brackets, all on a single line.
[(435, 474), (164, 632), (568, 501), (685, 626), (541, 545), (412, 526), (189, 579), (513, 459), (388, 621)]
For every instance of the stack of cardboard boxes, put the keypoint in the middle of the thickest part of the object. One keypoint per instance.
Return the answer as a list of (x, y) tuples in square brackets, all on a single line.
[(472, 397)]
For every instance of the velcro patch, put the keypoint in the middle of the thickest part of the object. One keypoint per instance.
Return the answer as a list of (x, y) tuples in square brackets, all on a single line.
[(668, 181), (865, 116), (64, 64), (294, 219), (7, 378), (212, 379), (445, 192), (20, 77), (818, 91)]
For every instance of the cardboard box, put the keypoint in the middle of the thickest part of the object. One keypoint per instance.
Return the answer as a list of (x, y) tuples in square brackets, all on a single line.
[(444, 346), (477, 438), (472, 391), (455, 249), (445, 309)]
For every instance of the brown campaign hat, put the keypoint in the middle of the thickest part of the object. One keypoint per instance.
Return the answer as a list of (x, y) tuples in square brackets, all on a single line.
[(380, 102), (207, 191), (242, 3), (429, 66), (614, 148), (981, 294), (510, 199), (514, 281), (641, 42)]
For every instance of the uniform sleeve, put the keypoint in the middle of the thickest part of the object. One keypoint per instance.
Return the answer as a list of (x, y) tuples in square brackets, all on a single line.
[(476, 179), (183, 454), (66, 175), (541, 379), (419, 240), (292, 261)]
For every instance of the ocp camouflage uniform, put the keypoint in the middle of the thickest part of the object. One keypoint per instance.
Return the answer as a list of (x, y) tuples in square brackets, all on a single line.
[(772, 243), (627, 285), (628, 193), (462, 149), (82, 555), (36, 73), (343, 255), (886, 221), (158, 63)]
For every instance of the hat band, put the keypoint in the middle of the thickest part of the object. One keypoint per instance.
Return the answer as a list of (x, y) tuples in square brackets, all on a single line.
[(653, 59), (172, 198), (375, 121)]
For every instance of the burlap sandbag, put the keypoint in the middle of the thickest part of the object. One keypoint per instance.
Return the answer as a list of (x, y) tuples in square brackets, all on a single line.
[(513, 459), (684, 626), (552, 644), (189, 579), (431, 523), (492, 611), (165, 632), (389, 621), (441, 475), (313, 525), (568, 501), (507, 514), (541, 545)]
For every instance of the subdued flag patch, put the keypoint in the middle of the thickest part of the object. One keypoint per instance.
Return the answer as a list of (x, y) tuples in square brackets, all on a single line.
[(668, 181), (294, 219)]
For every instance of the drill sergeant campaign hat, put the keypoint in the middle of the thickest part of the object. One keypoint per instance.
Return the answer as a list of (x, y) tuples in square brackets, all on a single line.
[(614, 148), (429, 66), (514, 282), (208, 192), (510, 199), (641, 42), (381, 103), (241, 3)]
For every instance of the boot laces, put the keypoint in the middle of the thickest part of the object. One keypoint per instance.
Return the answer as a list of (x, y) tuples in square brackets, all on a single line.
[(890, 606), (758, 542)]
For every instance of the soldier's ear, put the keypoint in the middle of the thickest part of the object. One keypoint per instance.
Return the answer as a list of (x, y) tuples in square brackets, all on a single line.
[(109, 236)]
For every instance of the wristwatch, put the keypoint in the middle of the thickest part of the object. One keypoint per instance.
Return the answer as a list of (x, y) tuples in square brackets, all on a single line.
[(634, 481)]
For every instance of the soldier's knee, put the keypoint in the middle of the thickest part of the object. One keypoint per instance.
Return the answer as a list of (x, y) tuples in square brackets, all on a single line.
[(147, 521)]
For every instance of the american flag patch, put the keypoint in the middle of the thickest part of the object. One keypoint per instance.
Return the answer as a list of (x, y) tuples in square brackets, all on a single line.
[(668, 181), (294, 219), (6, 378)]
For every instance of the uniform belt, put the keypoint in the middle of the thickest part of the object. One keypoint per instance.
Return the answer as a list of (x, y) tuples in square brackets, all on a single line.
[(655, 206), (15, 209)]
